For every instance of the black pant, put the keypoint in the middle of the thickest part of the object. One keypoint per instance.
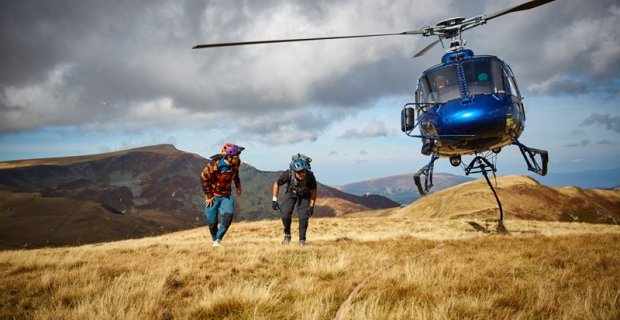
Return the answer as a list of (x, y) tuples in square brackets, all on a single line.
[(286, 209)]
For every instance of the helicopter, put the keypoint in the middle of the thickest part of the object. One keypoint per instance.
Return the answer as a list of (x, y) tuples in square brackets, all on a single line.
[(466, 105)]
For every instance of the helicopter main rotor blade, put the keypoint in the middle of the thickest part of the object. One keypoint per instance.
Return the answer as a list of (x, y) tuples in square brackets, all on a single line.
[(423, 51), (243, 43), (524, 6)]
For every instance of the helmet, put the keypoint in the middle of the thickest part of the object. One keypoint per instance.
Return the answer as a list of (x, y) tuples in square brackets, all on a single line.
[(230, 149), (440, 81), (299, 165)]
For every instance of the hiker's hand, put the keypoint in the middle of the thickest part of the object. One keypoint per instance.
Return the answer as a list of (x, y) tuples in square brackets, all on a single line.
[(208, 201), (239, 191), (275, 205), (310, 211)]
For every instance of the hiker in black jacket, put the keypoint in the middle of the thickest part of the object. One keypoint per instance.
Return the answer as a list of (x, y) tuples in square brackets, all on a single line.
[(301, 190)]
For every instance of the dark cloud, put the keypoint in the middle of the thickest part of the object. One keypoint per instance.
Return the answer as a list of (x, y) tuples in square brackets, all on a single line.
[(609, 122)]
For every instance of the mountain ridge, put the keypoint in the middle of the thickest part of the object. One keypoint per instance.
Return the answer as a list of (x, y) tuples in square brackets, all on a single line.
[(154, 189), (401, 188)]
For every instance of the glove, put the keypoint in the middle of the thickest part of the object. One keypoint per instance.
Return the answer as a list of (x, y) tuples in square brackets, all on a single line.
[(275, 205), (310, 211), (208, 201)]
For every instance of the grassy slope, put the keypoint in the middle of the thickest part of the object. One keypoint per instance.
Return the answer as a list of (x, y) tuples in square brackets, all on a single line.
[(414, 269), (521, 197)]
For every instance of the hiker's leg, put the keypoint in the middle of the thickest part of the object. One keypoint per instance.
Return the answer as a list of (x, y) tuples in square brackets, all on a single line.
[(212, 214), (302, 212), (227, 209), (286, 210)]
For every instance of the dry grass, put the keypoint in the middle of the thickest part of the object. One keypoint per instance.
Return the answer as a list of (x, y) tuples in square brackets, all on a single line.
[(431, 269)]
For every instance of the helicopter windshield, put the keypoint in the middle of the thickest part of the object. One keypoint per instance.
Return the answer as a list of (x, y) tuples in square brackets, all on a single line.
[(442, 85), (483, 77)]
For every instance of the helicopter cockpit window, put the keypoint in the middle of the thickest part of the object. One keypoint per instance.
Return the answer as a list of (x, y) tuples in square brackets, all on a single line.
[(443, 85), (483, 77)]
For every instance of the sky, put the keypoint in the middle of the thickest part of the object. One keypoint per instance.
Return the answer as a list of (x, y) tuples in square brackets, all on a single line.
[(85, 77)]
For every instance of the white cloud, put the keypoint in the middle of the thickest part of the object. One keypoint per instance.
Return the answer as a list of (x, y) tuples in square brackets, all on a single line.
[(373, 129), (49, 102), (558, 85)]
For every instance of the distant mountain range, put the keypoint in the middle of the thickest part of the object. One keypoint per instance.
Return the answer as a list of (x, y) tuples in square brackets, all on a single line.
[(401, 188), (602, 179), (130, 194)]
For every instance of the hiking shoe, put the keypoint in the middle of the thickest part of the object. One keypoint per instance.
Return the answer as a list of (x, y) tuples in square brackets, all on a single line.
[(287, 239), (217, 243), (302, 242)]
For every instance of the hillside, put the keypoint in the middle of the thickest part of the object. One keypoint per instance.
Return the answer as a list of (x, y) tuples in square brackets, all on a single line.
[(522, 197), (401, 188), (129, 194), (352, 268)]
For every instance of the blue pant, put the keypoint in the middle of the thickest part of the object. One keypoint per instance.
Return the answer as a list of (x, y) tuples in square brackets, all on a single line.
[(223, 205)]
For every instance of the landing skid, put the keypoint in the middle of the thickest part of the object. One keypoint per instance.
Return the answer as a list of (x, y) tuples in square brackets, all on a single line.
[(427, 173), (529, 154), (482, 165)]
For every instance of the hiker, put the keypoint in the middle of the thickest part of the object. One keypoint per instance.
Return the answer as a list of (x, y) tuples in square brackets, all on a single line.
[(301, 190), (217, 178)]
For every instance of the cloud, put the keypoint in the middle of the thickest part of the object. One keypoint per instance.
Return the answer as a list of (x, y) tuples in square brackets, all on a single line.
[(137, 57), (577, 132), (605, 142), (287, 127), (581, 143), (60, 59), (373, 129), (558, 85), (609, 122)]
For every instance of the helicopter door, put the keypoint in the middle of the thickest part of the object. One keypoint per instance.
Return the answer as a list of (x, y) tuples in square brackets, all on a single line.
[(511, 83), (513, 89)]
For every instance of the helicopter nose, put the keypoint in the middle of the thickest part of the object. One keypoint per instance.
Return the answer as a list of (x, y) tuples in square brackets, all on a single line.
[(480, 119)]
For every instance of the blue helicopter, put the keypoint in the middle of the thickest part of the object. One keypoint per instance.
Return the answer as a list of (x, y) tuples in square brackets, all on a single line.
[(468, 104)]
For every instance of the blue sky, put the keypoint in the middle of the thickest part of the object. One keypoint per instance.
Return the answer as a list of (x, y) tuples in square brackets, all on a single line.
[(91, 76)]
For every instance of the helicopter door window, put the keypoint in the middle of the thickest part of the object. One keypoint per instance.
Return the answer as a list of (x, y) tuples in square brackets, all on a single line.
[(511, 87), (483, 77), (444, 85), (510, 82)]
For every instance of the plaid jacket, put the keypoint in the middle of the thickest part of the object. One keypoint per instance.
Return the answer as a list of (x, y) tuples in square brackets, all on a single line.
[(217, 183)]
